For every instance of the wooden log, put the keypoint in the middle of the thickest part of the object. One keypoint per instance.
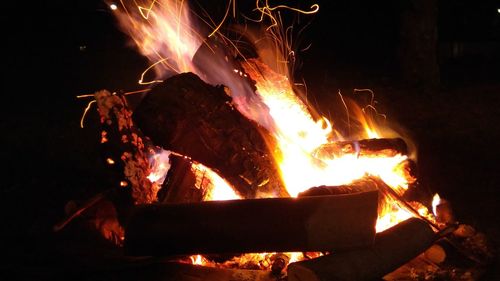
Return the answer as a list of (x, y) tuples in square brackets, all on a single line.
[(362, 185), (317, 223), (188, 116), (391, 249), (125, 147), (387, 147), (179, 184)]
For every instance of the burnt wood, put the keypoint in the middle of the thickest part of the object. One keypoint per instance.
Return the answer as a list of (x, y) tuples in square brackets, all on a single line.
[(367, 147), (179, 184), (362, 185), (317, 223), (188, 116), (391, 249)]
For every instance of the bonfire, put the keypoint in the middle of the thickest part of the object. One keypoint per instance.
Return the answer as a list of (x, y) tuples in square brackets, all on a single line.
[(225, 164)]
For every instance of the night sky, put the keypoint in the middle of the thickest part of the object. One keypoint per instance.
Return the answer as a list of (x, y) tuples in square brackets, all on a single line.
[(57, 50)]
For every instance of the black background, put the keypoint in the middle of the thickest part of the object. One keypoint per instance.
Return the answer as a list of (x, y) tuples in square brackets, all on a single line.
[(57, 50)]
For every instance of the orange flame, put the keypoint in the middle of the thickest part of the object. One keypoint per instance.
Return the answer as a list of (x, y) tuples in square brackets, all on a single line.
[(163, 32)]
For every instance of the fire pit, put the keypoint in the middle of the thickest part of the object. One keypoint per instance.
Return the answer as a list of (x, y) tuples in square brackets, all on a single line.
[(223, 164)]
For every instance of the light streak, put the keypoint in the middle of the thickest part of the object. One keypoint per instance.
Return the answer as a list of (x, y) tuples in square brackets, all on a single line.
[(85, 112), (142, 9), (223, 19), (147, 69)]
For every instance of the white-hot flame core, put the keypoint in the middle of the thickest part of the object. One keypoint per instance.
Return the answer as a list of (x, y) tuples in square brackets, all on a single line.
[(436, 200), (217, 189), (160, 164)]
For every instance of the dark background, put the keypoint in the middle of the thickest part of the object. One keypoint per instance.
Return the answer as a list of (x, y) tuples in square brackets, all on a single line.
[(54, 51)]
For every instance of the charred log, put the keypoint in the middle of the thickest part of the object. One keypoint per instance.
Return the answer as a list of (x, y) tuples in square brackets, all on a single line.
[(362, 185), (368, 147), (180, 183), (125, 147), (391, 249), (317, 223), (190, 117)]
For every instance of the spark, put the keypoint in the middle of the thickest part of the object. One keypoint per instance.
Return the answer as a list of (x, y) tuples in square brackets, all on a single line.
[(347, 112), (147, 69), (89, 105), (267, 10), (113, 6), (372, 100), (148, 10), (223, 19), (85, 112)]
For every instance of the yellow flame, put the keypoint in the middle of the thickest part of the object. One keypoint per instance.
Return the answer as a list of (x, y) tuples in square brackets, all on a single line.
[(299, 136), (216, 187), (198, 260)]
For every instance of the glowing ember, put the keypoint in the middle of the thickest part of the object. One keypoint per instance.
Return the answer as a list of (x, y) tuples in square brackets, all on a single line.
[(216, 187)]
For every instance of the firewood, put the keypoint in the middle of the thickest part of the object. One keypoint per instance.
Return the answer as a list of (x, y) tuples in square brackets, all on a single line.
[(172, 271), (362, 185), (185, 115), (126, 147), (316, 223), (391, 249), (368, 147), (179, 185), (435, 253)]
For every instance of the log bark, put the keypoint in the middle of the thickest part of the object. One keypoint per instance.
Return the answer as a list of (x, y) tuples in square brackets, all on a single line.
[(317, 223), (124, 145), (188, 116), (391, 249)]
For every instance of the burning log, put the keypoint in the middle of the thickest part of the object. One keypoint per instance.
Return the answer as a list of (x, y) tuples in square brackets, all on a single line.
[(385, 147), (179, 185), (391, 249), (317, 223), (195, 119), (126, 144), (362, 185)]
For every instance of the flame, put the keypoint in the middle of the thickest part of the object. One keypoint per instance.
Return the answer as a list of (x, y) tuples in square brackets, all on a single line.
[(159, 166), (299, 136), (198, 260), (164, 32), (436, 200), (216, 188)]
